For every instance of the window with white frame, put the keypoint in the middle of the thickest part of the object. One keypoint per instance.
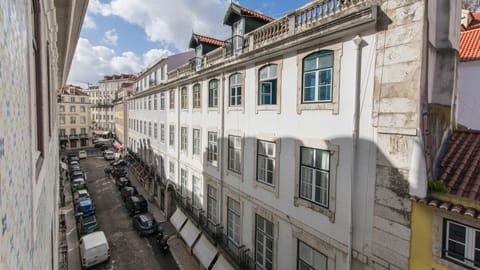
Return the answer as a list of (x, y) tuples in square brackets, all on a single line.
[(171, 99), (145, 103), (310, 259), (145, 127), (162, 101), (62, 108), (155, 130), (196, 142), (263, 243), (212, 155), (184, 139), (196, 96), (72, 108), (155, 102), (213, 94), (82, 108), (62, 120), (267, 88), (196, 186), (314, 175), (72, 99), (233, 222), (184, 98), (83, 119), (235, 98), (265, 162), (162, 132), (211, 204), (149, 129), (73, 120), (171, 171), (183, 182), (149, 103), (234, 153), (461, 244), (171, 135), (317, 77)]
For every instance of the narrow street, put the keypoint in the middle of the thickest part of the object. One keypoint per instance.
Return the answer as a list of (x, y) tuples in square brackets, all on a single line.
[(128, 250)]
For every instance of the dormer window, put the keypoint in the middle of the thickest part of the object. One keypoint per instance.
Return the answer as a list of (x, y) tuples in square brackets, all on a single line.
[(237, 36)]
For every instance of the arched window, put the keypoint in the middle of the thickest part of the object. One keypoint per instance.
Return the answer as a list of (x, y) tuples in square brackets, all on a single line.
[(317, 77), (196, 96), (267, 85), (235, 90), (213, 93)]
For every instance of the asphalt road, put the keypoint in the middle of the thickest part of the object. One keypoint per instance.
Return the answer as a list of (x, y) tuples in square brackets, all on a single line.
[(128, 250)]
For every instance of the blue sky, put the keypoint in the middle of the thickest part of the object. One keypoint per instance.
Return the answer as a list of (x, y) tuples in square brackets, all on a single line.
[(124, 36)]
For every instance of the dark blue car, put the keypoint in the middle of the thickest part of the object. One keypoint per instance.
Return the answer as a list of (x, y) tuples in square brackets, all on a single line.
[(85, 208)]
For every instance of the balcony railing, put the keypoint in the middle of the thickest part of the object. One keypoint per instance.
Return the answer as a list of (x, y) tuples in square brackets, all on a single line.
[(196, 63), (240, 254), (234, 45), (83, 136), (73, 137), (63, 137)]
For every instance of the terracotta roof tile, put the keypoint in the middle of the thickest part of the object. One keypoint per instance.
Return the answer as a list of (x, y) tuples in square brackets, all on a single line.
[(458, 208), (460, 165), (470, 45), (209, 40), (250, 12)]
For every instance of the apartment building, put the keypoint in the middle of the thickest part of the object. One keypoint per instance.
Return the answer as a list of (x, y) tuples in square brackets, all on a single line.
[(38, 43), (74, 118), (103, 115), (120, 110), (297, 142)]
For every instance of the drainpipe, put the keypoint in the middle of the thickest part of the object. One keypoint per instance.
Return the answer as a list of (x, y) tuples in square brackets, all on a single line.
[(222, 140), (355, 127)]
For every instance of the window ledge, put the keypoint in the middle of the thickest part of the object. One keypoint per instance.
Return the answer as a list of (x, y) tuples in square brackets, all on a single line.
[(212, 109), (332, 106), (268, 108), (197, 109), (266, 186), (315, 207)]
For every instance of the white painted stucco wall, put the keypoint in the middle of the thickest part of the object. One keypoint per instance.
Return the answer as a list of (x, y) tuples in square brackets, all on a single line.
[(468, 95)]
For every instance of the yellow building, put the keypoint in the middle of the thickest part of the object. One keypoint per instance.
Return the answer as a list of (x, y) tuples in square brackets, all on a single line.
[(446, 225), (74, 118)]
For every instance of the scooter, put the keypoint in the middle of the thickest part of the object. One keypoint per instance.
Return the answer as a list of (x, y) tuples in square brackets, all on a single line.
[(161, 240)]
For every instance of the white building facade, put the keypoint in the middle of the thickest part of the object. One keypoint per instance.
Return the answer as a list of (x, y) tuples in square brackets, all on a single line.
[(291, 146)]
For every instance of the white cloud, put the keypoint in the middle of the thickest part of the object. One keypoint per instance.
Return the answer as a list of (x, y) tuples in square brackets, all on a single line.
[(89, 22), (91, 63), (110, 37), (169, 22)]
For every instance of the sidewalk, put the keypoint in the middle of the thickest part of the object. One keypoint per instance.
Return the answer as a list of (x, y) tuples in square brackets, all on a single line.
[(179, 250), (70, 221)]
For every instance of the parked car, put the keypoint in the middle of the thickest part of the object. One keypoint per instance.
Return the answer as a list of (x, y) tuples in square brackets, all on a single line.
[(75, 168), (76, 174), (120, 163), (79, 195), (108, 155), (145, 224), (94, 249), (136, 205), (73, 163), (72, 157), (99, 145), (118, 172), (78, 183), (82, 154), (128, 191), (122, 182), (85, 208), (87, 225)]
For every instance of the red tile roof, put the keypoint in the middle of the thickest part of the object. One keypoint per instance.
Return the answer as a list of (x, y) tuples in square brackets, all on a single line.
[(250, 12), (78, 90), (460, 166), (470, 45), (448, 206), (209, 40)]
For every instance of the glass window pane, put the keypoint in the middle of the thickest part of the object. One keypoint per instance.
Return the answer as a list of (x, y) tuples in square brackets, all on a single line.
[(456, 250), (322, 159), (325, 61), (310, 63), (457, 232), (307, 156)]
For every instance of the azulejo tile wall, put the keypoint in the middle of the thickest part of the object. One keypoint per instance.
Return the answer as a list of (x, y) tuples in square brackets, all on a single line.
[(16, 213)]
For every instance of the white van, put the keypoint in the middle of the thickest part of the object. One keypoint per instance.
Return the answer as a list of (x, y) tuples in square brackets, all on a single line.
[(94, 249), (82, 154)]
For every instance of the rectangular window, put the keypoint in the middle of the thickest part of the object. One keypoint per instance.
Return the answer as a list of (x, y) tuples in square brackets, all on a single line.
[(267, 89), (235, 90), (171, 97), (162, 132), (145, 127), (310, 259), (155, 103), (155, 130), (72, 108), (83, 120), (234, 153), (314, 175), (233, 222), (263, 243), (265, 162), (171, 135), (162, 101), (461, 244), (183, 139), (73, 120), (212, 155), (213, 94), (73, 131), (317, 77), (82, 108), (196, 96), (62, 120), (196, 142), (82, 100), (196, 196), (183, 183), (72, 99), (83, 131), (150, 103), (184, 100), (171, 171), (149, 129), (211, 204), (62, 108)]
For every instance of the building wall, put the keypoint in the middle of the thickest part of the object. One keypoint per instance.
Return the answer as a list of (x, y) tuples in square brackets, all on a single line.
[(78, 114), (468, 97)]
